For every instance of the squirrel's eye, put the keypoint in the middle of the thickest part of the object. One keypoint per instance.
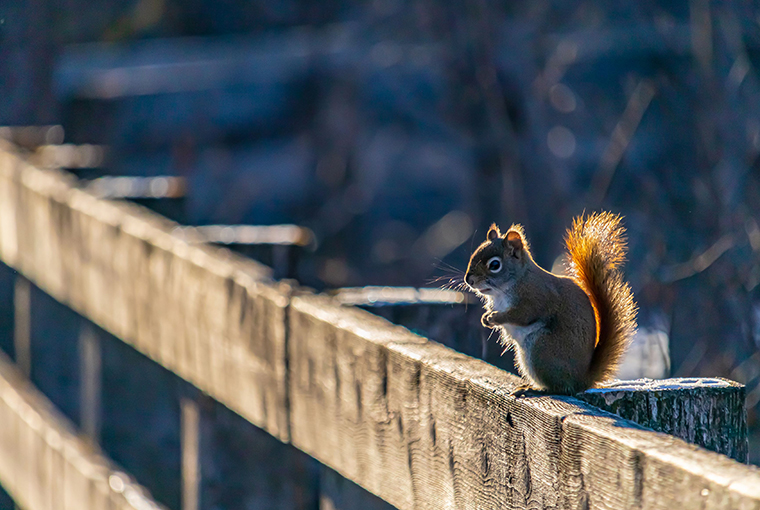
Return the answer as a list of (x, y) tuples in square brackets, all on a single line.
[(494, 264)]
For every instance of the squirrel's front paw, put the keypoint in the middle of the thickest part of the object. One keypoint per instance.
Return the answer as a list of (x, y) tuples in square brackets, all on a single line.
[(488, 320)]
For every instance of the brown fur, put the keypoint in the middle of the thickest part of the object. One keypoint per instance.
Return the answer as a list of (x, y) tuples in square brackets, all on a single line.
[(568, 333)]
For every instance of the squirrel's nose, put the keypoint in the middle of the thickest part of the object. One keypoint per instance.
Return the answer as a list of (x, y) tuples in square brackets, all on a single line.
[(468, 279)]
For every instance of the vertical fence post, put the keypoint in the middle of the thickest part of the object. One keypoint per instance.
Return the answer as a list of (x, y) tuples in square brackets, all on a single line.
[(7, 289), (190, 427), (22, 329), (22, 333), (90, 385), (140, 420), (242, 466)]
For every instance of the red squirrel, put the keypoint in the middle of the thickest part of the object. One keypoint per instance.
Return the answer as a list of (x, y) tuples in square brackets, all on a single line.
[(569, 333)]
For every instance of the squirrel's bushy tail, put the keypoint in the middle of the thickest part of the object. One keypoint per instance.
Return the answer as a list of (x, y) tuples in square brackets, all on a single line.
[(597, 246)]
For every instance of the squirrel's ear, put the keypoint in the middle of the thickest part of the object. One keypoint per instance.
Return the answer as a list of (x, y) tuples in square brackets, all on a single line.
[(513, 243), (493, 232)]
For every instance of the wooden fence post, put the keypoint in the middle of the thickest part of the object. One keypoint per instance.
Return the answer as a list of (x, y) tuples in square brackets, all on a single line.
[(241, 466), (90, 367), (54, 354), (707, 412), (141, 419), (22, 341), (190, 453), (7, 312)]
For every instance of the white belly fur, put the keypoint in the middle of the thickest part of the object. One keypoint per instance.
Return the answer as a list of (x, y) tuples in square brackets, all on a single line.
[(520, 334), (520, 337), (523, 340)]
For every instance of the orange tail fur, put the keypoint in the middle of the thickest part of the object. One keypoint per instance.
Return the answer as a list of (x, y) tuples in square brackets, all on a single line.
[(597, 246)]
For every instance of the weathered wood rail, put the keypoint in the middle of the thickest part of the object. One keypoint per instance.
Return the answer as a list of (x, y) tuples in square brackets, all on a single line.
[(409, 420)]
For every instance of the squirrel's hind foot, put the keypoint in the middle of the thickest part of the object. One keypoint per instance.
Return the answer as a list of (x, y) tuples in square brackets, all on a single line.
[(526, 390)]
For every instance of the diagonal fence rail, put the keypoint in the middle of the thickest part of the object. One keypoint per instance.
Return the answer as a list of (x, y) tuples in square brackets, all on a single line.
[(411, 421), (46, 465)]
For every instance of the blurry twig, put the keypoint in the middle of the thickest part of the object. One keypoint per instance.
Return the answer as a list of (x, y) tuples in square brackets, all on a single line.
[(753, 233), (748, 370), (700, 262), (732, 32), (556, 66), (701, 33), (753, 397), (621, 136)]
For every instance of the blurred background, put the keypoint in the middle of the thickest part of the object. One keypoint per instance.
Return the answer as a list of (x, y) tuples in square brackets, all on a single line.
[(398, 130)]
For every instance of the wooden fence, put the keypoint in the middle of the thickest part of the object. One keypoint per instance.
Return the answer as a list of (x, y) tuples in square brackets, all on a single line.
[(407, 419)]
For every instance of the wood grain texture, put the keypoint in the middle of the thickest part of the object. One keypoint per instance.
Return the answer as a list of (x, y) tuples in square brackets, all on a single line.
[(706, 412), (213, 318), (425, 427), (45, 466)]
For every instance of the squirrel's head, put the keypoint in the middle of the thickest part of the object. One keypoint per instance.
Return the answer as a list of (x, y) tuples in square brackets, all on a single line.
[(498, 261)]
